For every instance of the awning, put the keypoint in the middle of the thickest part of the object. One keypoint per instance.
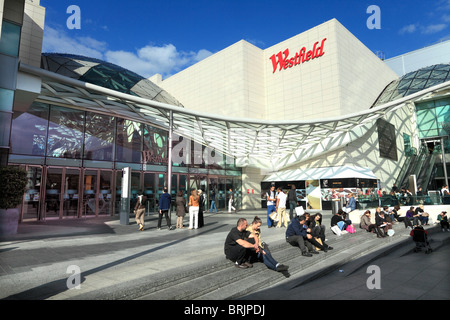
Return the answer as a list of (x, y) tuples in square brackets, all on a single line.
[(341, 172), (272, 145)]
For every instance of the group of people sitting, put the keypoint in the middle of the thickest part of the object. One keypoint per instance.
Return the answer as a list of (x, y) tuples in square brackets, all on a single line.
[(244, 246)]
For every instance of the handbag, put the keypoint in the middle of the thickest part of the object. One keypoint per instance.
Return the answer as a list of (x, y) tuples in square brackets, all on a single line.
[(319, 241), (350, 229)]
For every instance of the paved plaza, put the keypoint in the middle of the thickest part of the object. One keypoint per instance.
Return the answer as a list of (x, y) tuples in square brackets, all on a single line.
[(115, 261)]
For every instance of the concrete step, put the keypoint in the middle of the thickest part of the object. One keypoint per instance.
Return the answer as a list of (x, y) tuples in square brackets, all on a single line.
[(220, 283), (216, 278)]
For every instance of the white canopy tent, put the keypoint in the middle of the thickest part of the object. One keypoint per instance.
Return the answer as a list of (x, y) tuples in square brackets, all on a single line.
[(341, 172)]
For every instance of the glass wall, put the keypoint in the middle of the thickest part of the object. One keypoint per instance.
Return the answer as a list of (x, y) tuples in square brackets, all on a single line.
[(78, 156), (99, 137), (65, 133), (128, 141), (10, 38), (433, 120), (29, 130)]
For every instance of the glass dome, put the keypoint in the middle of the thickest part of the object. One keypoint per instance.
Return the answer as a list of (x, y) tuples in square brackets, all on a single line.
[(106, 75), (414, 82)]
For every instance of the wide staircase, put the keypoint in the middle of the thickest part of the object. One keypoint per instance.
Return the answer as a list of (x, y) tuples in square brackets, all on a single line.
[(216, 278)]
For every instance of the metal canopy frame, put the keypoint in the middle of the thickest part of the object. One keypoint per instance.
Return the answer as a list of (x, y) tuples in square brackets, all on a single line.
[(268, 145)]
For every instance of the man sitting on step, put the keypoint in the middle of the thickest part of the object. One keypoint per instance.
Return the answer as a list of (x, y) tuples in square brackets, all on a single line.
[(238, 248)]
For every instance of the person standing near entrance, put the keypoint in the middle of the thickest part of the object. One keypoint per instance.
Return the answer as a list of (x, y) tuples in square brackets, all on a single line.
[(213, 201), (181, 209), (293, 203), (271, 200), (139, 211), (194, 200), (281, 208), (230, 202), (201, 208), (164, 207)]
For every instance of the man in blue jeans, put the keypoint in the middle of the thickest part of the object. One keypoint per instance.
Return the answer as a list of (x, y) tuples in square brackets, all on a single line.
[(271, 201)]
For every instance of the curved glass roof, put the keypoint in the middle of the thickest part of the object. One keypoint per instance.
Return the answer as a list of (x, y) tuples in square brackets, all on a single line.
[(106, 75), (414, 82)]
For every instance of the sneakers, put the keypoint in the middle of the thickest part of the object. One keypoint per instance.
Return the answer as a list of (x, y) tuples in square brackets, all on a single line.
[(244, 265), (306, 254), (282, 267), (240, 266)]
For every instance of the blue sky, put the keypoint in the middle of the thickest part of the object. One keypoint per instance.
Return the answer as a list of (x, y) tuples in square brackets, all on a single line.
[(166, 36)]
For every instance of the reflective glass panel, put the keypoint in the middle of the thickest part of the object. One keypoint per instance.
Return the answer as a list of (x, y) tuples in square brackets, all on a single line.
[(6, 99), (65, 133), (10, 39), (155, 146), (29, 130), (99, 137), (128, 141)]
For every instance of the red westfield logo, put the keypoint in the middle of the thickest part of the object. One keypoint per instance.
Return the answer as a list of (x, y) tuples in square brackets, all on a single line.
[(282, 58)]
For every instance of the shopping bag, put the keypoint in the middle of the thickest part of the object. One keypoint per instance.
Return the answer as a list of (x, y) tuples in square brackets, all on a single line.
[(299, 211), (274, 216), (336, 230)]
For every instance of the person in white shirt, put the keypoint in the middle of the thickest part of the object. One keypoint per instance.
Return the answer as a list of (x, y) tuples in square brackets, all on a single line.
[(281, 208)]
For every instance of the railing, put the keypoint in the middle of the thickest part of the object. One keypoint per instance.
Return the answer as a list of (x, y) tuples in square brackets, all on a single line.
[(372, 201)]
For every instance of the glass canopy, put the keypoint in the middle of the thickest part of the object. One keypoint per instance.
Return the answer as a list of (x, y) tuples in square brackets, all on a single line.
[(414, 82), (106, 75)]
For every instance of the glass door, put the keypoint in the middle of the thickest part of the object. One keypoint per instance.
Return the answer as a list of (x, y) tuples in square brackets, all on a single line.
[(173, 193), (90, 193), (136, 189), (237, 193), (212, 193), (71, 193), (161, 183), (149, 191), (53, 192), (118, 192), (31, 204), (105, 195), (221, 194)]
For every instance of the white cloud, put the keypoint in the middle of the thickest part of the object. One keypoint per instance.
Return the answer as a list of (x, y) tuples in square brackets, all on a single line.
[(411, 28), (58, 41), (430, 29), (145, 61), (150, 59), (434, 28)]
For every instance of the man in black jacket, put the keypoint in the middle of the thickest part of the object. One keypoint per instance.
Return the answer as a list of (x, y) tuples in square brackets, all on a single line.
[(238, 247)]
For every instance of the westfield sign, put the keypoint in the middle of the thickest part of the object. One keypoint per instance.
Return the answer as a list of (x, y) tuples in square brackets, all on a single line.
[(284, 62)]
